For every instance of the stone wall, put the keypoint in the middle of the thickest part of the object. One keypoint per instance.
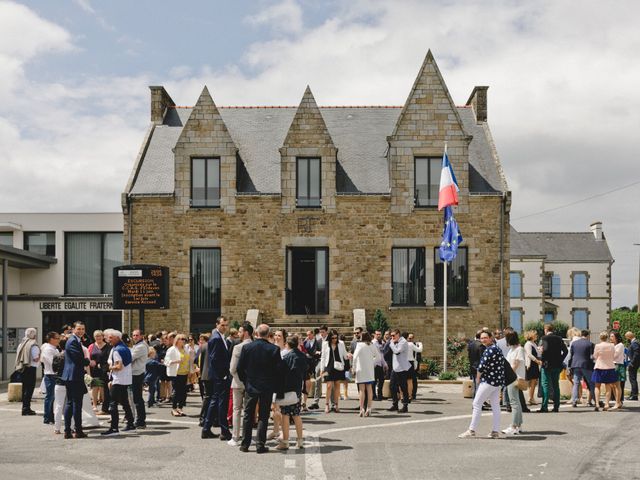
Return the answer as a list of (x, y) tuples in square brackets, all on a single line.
[(360, 235)]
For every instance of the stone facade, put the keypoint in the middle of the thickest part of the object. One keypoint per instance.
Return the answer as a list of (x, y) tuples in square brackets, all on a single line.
[(253, 231)]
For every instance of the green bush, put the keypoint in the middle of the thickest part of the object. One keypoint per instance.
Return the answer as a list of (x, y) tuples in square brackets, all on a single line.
[(460, 365), (448, 376), (379, 322), (537, 326), (432, 368), (235, 324), (559, 328), (629, 321)]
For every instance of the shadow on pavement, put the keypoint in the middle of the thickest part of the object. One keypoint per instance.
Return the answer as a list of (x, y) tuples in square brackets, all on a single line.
[(428, 412)]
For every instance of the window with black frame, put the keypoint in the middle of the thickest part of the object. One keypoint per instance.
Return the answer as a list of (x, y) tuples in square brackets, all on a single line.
[(206, 280), (408, 278), (308, 181), (307, 281), (457, 280), (427, 181), (6, 239), (43, 243), (90, 258), (205, 182)]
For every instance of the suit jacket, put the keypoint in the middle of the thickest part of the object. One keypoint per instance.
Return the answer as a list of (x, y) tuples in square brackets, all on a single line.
[(553, 351), (74, 361), (634, 353), (475, 350), (233, 367), (219, 350), (260, 367), (581, 354)]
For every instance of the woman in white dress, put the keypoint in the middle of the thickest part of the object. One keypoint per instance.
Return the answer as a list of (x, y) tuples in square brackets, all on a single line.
[(364, 367)]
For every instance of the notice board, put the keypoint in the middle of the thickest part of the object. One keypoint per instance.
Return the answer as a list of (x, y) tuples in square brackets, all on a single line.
[(140, 287)]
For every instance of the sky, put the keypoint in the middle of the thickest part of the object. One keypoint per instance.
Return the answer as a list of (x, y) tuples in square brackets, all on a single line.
[(563, 99)]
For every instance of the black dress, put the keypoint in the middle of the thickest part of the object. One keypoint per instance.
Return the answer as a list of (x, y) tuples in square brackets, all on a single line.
[(533, 372), (333, 374)]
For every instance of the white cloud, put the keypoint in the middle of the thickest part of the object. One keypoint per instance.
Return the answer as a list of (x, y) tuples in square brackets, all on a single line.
[(282, 17)]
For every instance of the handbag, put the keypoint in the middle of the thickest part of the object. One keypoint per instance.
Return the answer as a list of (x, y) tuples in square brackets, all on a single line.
[(522, 384), (290, 398), (339, 366), (16, 377), (509, 375)]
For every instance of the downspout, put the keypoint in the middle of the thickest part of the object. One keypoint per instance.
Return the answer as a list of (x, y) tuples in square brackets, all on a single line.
[(502, 200), (130, 254)]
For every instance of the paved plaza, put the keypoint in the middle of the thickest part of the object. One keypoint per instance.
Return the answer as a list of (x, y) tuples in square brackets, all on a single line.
[(576, 443)]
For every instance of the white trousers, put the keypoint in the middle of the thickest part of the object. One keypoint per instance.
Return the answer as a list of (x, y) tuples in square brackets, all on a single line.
[(238, 409), (89, 418), (492, 394)]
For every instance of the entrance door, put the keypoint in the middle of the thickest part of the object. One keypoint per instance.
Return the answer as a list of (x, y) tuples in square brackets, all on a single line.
[(307, 281), (54, 321)]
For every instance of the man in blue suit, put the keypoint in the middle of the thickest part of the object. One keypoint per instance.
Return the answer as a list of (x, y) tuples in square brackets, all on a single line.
[(219, 350), (581, 365), (73, 378)]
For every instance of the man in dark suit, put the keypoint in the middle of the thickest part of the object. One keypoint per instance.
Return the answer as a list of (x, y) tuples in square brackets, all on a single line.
[(581, 365), (475, 349), (219, 351), (260, 368), (553, 352), (73, 378), (634, 363)]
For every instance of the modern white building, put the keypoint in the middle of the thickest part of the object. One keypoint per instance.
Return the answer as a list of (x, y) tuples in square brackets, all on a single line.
[(57, 268), (563, 276)]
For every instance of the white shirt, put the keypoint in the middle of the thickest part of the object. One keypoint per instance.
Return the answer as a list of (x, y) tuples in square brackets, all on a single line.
[(502, 345), (618, 356), (364, 362), (119, 377), (517, 354), (35, 353), (414, 349), (400, 355), (47, 355)]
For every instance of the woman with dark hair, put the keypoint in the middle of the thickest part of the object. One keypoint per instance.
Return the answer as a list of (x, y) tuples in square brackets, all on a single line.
[(516, 359), (621, 370), (605, 369), (334, 354), (364, 366), (295, 370), (490, 382)]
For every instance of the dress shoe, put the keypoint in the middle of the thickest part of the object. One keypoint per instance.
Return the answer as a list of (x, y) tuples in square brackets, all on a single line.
[(28, 413), (111, 432), (393, 408), (262, 449), (225, 438), (208, 434), (80, 435), (635, 399), (244, 449), (68, 435), (129, 428), (404, 409), (541, 411)]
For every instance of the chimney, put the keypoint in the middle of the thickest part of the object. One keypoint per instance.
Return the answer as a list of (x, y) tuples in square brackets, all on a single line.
[(160, 101), (478, 100), (596, 229)]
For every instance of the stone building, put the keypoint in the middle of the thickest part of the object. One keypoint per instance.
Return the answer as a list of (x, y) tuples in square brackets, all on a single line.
[(563, 276), (307, 213)]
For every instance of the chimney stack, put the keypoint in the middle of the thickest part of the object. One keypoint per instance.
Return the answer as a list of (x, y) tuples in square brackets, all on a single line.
[(478, 100), (160, 101), (596, 229)]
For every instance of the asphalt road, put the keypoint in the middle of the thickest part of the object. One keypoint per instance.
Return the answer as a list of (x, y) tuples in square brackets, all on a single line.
[(573, 444)]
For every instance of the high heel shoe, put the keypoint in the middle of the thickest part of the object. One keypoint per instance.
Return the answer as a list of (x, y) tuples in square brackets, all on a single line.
[(326, 409), (361, 412), (367, 413)]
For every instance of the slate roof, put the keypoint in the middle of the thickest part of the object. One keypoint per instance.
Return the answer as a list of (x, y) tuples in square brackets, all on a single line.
[(560, 246), (359, 133)]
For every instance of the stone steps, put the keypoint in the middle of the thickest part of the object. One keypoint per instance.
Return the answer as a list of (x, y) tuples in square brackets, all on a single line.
[(302, 326)]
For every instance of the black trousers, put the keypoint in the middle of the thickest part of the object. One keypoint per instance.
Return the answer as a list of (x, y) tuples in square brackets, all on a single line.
[(633, 380), (399, 382), (413, 375), (178, 391), (120, 395), (219, 406), (379, 376), (28, 385), (206, 387), (106, 401), (263, 400), (73, 408), (138, 400)]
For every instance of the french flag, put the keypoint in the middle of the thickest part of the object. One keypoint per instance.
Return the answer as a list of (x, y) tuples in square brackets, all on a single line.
[(448, 185)]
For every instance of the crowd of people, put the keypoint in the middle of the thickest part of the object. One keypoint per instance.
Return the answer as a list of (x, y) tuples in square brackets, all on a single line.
[(502, 369), (245, 377)]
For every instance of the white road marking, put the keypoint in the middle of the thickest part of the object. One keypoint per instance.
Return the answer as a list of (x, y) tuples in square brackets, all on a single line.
[(78, 473), (289, 463), (313, 459), (289, 477)]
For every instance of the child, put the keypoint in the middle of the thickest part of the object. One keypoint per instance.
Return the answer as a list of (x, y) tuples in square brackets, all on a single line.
[(153, 369)]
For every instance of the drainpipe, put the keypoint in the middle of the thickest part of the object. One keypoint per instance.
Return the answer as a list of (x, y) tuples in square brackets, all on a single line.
[(502, 201), (5, 314), (130, 256)]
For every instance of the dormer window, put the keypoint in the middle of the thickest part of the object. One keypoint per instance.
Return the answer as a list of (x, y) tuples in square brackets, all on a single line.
[(308, 172), (205, 182), (427, 181)]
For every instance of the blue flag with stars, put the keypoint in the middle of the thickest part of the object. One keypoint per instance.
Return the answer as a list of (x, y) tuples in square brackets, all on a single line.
[(451, 237)]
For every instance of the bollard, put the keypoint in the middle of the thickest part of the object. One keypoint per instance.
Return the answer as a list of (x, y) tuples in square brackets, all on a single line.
[(467, 389), (15, 392)]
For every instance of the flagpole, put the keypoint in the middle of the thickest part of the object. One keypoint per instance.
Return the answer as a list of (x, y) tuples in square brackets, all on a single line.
[(444, 339)]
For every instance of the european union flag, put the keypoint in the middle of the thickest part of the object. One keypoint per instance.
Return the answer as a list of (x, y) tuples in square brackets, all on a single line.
[(451, 237)]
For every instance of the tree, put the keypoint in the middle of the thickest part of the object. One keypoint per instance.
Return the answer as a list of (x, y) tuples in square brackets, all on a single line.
[(379, 322)]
